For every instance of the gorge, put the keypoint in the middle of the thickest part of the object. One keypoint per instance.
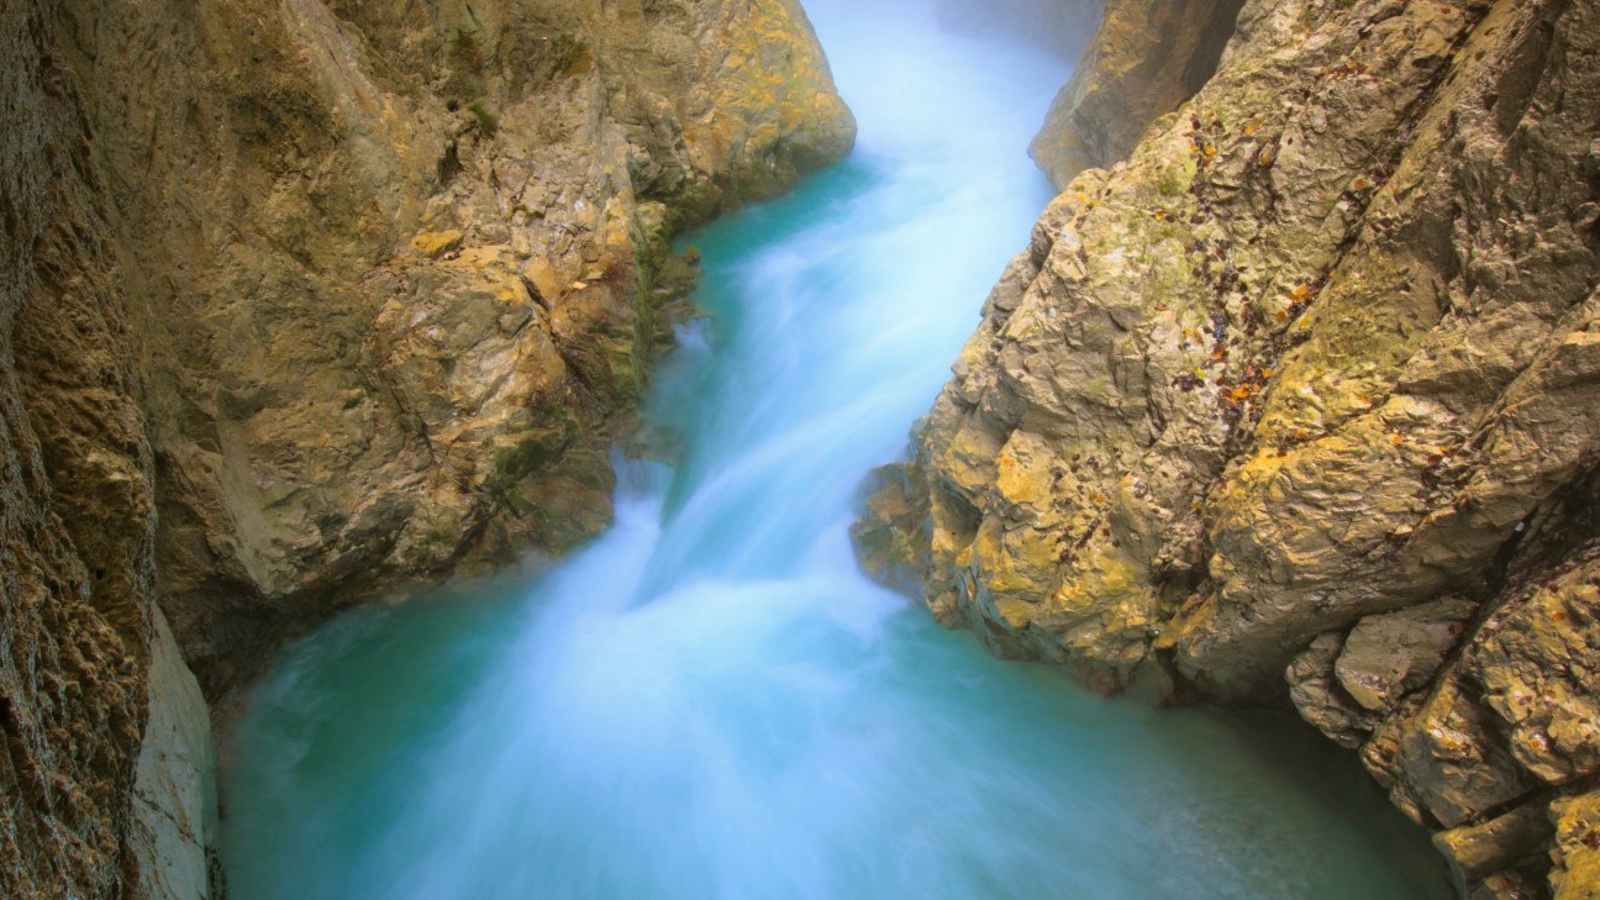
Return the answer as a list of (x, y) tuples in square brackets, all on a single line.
[(411, 391), (710, 701)]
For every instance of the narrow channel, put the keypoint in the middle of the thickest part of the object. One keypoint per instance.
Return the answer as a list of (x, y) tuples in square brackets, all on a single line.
[(710, 701)]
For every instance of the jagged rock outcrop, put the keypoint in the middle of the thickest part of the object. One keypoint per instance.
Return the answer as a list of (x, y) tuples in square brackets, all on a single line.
[(1300, 399), (392, 327), (308, 300), (1145, 59)]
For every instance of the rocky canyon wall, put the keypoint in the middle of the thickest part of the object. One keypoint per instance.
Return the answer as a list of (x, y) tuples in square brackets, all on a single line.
[(308, 301), (79, 626), (391, 330), (1293, 398)]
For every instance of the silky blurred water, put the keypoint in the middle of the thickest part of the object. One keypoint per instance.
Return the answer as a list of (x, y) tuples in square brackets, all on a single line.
[(710, 701)]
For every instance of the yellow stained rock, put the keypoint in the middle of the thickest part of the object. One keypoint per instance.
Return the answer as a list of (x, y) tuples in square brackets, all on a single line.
[(434, 244)]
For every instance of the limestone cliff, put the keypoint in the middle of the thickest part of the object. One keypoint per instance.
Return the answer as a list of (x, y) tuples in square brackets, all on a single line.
[(309, 300), (1302, 400)]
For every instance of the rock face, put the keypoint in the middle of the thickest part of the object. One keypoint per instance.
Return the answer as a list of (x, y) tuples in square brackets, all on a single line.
[(1145, 60), (392, 329), (174, 791), (1303, 398), (1056, 26), (1577, 854), (305, 301), (77, 500)]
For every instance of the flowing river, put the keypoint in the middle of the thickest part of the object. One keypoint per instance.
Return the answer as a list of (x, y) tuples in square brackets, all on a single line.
[(710, 701)]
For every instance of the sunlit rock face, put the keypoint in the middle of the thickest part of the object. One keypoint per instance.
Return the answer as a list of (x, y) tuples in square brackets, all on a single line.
[(1306, 385), (309, 300)]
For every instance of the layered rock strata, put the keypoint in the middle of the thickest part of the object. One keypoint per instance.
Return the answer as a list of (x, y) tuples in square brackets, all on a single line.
[(309, 301), (1299, 401)]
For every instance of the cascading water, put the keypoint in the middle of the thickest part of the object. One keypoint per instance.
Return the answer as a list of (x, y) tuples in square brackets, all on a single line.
[(710, 701)]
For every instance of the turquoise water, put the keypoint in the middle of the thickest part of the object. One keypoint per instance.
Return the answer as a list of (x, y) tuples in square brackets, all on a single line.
[(709, 701)]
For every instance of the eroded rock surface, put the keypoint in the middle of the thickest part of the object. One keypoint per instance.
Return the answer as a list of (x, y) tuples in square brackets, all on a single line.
[(1300, 399), (77, 503), (309, 300), (391, 330)]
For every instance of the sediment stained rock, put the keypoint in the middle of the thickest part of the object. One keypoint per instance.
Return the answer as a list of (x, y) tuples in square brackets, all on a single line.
[(1307, 385)]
